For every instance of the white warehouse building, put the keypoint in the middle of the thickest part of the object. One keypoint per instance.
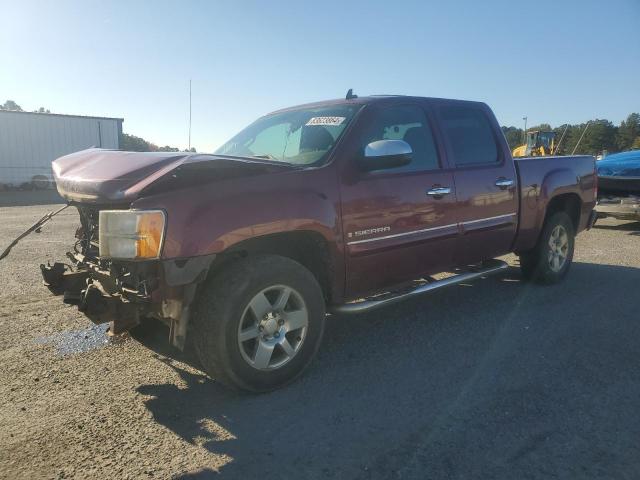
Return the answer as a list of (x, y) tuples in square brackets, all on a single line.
[(30, 141)]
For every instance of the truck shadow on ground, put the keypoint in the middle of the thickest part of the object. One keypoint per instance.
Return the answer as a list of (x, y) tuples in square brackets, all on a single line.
[(498, 378)]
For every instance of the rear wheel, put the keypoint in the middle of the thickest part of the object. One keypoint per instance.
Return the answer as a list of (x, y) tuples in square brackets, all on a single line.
[(258, 323), (551, 258)]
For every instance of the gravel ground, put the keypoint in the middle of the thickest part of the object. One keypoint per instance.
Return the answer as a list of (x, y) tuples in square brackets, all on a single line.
[(495, 379)]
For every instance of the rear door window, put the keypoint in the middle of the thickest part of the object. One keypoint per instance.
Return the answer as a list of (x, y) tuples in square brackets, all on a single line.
[(470, 135)]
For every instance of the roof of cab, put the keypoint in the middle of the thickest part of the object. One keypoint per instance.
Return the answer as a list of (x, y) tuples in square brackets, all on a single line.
[(336, 101), (369, 100)]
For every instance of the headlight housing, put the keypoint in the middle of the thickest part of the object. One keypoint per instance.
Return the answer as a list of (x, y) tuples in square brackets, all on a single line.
[(131, 234)]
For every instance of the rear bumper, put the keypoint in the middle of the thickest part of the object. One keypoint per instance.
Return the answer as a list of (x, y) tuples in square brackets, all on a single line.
[(621, 208), (123, 292)]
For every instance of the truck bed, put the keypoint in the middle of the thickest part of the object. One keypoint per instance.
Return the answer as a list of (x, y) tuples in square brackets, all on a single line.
[(540, 178)]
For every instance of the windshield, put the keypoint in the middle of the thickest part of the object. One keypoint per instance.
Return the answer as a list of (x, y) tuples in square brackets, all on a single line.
[(299, 137)]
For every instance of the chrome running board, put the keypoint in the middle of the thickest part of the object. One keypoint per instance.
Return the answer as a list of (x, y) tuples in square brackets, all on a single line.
[(487, 268)]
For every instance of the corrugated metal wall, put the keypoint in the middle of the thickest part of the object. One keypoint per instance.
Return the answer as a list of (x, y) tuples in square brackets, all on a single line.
[(29, 142)]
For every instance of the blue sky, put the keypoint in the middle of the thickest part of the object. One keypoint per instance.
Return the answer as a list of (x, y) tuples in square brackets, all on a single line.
[(553, 61)]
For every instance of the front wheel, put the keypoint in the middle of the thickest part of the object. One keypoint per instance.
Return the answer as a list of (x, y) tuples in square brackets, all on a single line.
[(551, 258), (258, 323)]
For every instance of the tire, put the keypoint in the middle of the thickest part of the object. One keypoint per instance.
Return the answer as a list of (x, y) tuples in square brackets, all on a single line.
[(232, 335), (546, 264)]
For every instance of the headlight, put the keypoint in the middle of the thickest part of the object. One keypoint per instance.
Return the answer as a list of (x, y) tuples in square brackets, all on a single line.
[(132, 234)]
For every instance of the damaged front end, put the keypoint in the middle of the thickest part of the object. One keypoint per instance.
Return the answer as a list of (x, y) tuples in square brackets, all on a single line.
[(122, 291), (123, 276)]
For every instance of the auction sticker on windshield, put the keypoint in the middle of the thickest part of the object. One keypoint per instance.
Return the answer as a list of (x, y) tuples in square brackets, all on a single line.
[(326, 120)]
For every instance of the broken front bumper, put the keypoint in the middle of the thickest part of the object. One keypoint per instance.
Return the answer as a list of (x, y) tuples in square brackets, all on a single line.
[(123, 292)]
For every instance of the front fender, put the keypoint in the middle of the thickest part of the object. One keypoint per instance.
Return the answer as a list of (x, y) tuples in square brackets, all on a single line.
[(207, 228), (209, 219)]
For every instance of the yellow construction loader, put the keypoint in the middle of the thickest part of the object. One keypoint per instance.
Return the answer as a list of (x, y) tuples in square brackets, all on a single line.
[(538, 144)]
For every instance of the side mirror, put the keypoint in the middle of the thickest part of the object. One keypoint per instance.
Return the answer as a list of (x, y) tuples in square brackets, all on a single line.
[(385, 154)]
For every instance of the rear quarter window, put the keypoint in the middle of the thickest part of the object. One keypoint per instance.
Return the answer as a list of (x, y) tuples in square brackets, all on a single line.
[(470, 135)]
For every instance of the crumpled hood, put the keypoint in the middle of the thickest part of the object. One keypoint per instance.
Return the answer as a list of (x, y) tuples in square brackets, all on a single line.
[(626, 164), (113, 176)]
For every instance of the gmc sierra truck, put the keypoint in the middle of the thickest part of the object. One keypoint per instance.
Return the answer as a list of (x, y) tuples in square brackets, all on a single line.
[(342, 206)]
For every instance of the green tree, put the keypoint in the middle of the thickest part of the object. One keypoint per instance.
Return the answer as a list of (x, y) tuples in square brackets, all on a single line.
[(543, 127), (628, 132), (11, 105), (560, 143), (600, 136), (570, 138), (513, 136), (132, 143)]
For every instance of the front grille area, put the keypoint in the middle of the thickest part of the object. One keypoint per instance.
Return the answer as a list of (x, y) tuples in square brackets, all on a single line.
[(87, 240), (87, 236)]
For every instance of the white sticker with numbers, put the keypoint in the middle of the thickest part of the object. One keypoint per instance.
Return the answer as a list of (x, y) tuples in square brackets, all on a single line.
[(326, 121)]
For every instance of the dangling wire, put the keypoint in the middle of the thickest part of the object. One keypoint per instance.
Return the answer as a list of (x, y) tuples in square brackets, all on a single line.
[(36, 226)]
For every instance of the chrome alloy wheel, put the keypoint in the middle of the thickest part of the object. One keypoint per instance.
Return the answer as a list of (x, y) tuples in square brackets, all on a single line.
[(558, 248), (273, 327)]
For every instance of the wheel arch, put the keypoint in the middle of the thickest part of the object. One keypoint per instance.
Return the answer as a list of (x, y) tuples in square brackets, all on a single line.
[(570, 203), (307, 247)]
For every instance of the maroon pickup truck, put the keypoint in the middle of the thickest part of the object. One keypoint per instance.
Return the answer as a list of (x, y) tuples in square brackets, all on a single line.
[(340, 206)]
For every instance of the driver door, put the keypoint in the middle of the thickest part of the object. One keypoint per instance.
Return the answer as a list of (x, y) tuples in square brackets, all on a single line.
[(395, 228)]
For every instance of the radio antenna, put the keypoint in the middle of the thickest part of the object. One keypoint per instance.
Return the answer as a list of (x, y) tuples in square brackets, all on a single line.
[(189, 114)]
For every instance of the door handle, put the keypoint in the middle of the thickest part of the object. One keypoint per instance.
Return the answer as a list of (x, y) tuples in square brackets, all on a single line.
[(439, 191), (504, 183)]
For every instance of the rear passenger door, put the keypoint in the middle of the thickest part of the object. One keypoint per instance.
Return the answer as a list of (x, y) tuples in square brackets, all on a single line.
[(485, 180), (394, 229)]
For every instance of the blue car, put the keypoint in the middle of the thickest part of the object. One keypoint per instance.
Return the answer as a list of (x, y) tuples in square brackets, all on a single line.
[(619, 186)]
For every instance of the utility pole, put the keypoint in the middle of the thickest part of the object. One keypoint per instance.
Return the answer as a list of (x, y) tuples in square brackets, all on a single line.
[(189, 114), (524, 132)]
